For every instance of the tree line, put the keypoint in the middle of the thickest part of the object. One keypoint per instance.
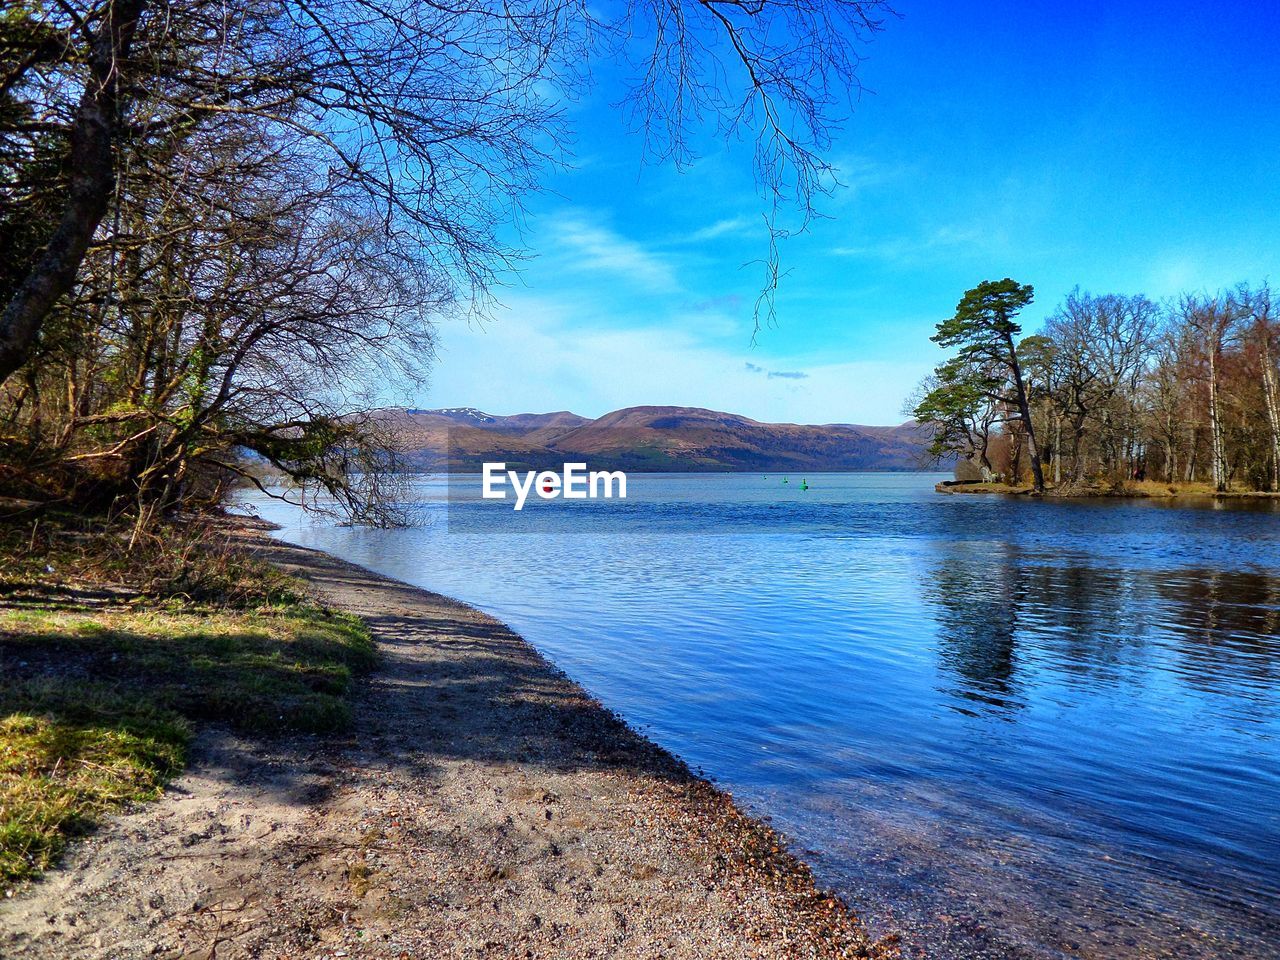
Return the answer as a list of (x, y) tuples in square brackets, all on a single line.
[(1112, 389), (227, 230)]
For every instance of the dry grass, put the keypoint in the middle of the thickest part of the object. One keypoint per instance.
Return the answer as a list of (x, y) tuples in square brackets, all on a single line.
[(1156, 488), (108, 659), (199, 561), (1138, 489), (983, 488)]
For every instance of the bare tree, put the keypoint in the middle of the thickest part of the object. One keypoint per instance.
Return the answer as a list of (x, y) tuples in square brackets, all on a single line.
[(1074, 328), (103, 39), (777, 71), (1215, 322), (1166, 400), (439, 117), (1264, 333), (1122, 348), (238, 308), (286, 193)]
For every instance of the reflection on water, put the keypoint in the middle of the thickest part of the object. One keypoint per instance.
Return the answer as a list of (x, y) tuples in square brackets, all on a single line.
[(978, 620), (1220, 626), (1001, 727)]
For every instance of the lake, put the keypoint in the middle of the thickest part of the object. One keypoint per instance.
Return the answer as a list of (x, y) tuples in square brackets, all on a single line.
[(998, 726)]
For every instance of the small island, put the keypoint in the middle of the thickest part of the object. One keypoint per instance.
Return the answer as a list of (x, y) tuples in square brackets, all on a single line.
[(1116, 396)]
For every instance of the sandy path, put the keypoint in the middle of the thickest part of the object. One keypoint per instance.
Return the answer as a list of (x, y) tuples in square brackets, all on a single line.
[(482, 806)]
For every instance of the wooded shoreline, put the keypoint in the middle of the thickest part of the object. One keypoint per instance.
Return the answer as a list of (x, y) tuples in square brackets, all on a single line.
[(1140, 490), (1112, 388)]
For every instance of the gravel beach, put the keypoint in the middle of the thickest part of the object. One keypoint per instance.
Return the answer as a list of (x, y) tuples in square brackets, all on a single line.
[(483, 805)]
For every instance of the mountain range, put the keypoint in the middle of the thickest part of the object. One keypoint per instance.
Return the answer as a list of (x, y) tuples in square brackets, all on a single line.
[(641, 439)]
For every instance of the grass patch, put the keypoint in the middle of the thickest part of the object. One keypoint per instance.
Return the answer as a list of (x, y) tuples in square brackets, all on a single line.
[(100, 688), (60, 773), (262, 672)]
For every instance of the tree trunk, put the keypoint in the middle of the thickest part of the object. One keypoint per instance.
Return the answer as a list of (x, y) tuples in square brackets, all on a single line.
[(1077, 446), (1024, 411), (91, 161), (1215, 425), (982, 451), (1057, 449), (1269, 390), (1015, 460)]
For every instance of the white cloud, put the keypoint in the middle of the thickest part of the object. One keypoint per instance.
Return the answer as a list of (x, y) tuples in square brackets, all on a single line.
[(592, 247), (732, 226), (537, 359), (857, 175)]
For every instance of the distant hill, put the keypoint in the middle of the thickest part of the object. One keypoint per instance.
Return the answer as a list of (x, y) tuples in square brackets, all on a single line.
[(648, 439)]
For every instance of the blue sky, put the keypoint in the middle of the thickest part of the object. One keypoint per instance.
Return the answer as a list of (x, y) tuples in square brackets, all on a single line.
[(1124, 147)]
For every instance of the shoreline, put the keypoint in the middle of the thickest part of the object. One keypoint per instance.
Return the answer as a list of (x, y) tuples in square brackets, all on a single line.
[(1155, 491), (483, 804)]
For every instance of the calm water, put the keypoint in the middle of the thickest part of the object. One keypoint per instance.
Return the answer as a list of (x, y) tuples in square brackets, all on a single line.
[(999, 727)]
